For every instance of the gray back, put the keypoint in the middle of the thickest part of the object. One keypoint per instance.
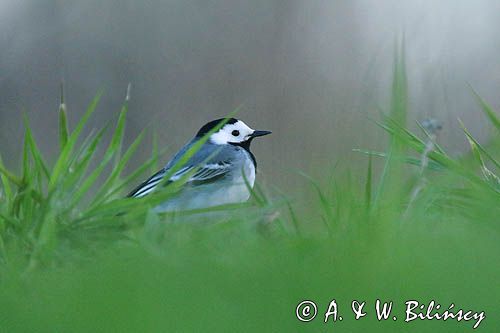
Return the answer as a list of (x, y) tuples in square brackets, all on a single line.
[(220, 153)]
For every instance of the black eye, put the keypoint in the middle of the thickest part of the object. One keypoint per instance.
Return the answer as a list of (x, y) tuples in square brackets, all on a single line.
[(235, 133)]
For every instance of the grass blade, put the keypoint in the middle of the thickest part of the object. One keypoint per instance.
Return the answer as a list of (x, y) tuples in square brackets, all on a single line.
[(62, 164), (129, 179), (7, 176), (494, 119), (392, 175), (63, 122), (477, 145), (109, 184), (80, 166), (368, 184), (489, 176), (41, 166)]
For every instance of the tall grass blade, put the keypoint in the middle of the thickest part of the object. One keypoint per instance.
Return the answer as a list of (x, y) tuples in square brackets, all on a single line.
[(62, 164), (489, 176), (433, 165), (109, 183), (154, 152), (6, 177), (63, 122), (111, 151), (253, 192), (368, 184), (477, 145), (392, 175), (41, 166), (46, 242), (82, 161), (325, 203), (492, 116), (128, 180), (120, 130)]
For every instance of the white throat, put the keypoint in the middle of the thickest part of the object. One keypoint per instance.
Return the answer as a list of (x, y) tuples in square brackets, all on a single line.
[(232, 133)]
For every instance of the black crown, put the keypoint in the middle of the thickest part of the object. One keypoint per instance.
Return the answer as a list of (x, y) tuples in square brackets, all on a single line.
[(210, 125)]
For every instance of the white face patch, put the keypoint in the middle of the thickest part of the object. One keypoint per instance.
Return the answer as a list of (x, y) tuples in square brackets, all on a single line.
[(235, 133)]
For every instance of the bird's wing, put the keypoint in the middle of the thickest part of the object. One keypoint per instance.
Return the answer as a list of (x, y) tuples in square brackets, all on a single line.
[(204, 174), (147, 186), (210, 162)]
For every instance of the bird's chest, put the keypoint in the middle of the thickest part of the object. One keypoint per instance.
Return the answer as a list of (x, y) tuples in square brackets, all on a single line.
[(246, 170), (233, 188), (243, 176)]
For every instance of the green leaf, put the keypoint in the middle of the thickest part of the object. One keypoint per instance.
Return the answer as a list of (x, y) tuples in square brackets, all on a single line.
[(120, 130), (128, 180), (494, 119), (26, 161), (154, 153), (80, 167), (62, 165), (432, 165), (368, 184), (393, 173), (128, 205), (63, 122), (46, 242), (478, 145), (253, 193), (489, 176), (40, 165), (443, 159), (109, 185), (325, 203), (429, 137), (111, 151), (6, 177)]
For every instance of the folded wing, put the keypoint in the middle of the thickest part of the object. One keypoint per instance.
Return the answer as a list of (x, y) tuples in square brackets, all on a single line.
[(205, 174)]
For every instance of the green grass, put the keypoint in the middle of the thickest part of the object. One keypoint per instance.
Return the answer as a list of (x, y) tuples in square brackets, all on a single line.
[(78, 257)]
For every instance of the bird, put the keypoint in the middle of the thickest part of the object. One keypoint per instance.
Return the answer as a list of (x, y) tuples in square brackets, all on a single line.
[(223, 169)]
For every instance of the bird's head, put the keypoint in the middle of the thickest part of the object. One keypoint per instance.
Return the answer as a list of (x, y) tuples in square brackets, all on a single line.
[(234, 132)]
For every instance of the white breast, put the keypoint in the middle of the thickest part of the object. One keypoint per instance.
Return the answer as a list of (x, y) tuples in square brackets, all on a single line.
[(238, 190), (231, 190), (249, 170)]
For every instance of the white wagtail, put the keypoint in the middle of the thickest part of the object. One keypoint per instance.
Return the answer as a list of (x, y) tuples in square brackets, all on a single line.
[(224, 164)]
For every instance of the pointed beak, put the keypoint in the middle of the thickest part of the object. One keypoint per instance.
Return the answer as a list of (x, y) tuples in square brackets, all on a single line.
[(259, 133)]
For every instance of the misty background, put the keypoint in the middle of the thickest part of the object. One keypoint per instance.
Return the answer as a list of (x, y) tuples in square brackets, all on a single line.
[(314, 72)]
